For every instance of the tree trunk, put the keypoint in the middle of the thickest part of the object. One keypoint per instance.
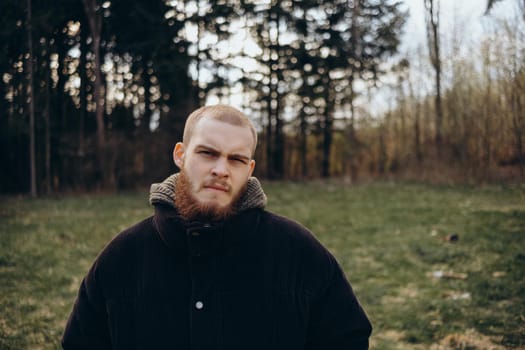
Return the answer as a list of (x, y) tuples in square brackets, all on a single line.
[(303, 149), (278, 155), (269, 137), (327, 129), (81, 154), (48, 130), (277, 158), (31, 100), (517, 124), (487, 125), (303, 124), (417, 125), (432, 8), (383, 155), (146, 80), (95, 25), (352, 143), (417, 135)]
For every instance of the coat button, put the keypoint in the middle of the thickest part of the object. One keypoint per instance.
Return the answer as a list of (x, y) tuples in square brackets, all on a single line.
[(199, 305)]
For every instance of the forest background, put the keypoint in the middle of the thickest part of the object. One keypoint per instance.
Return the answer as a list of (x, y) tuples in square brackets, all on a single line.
[(94, 94)]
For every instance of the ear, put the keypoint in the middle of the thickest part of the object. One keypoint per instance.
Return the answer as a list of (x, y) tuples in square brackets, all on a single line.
[(178, 154), (252, 166)]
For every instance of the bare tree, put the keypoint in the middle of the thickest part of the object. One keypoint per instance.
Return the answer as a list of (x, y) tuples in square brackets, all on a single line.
[(515, 75), (432, 20), (491, 3)]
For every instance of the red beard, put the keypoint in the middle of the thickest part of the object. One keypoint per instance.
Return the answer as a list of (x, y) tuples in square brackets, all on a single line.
[(190, 209)]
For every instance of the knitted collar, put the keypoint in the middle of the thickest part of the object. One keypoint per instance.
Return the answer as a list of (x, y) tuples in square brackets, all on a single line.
[(164, 193)]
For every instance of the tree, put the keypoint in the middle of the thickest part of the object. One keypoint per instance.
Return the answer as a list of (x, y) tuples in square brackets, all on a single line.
[(31, 100), (94, 16), (513, 73), (270, 23), (355, 38), (432, 20), (491, 3)]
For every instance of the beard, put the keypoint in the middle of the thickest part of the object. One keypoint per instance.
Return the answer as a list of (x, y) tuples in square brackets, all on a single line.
[(191, 209)]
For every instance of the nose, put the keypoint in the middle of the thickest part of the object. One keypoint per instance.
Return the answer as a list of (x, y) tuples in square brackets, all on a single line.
[(220, 167)]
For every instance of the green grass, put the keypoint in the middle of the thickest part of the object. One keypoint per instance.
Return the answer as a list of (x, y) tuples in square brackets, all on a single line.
[(387, 237)]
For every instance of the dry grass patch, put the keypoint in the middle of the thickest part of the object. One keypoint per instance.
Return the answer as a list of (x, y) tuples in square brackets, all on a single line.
[(470, 340)]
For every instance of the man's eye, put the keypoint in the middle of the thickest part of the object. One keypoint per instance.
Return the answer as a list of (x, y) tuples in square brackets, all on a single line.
[(239, 160)]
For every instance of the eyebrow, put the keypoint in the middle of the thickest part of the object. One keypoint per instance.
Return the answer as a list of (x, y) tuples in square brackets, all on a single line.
[(230, 156)]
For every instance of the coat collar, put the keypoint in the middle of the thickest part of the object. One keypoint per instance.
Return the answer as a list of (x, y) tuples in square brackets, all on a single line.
[(196, 239), (199, 238), (164, 193)]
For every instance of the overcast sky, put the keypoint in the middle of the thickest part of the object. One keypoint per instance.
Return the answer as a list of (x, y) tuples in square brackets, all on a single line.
[(465, 15), (463, 19)]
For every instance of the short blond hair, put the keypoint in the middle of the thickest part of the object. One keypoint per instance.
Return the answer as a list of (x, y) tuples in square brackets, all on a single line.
[(220, 112)]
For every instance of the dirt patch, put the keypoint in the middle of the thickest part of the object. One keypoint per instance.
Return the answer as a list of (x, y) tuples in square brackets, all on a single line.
[(394, 339), (403, 294), (470, 340), (393, 335)]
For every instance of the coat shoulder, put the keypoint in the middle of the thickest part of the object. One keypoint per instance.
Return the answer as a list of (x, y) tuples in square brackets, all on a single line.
[(121, 253), (292, 242), (283, 229), (129, 238)]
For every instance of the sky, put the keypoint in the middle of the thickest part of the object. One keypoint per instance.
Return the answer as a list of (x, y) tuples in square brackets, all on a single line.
[(464, 17), (462, 21)]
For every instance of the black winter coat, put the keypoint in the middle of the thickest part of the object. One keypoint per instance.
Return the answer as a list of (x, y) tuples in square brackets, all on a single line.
[(258, 281)]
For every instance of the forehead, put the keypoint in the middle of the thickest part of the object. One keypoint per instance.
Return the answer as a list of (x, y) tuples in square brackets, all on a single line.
[(222, 136)]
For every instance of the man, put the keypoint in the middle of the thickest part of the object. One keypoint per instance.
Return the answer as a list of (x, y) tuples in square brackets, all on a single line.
[(211, 269)]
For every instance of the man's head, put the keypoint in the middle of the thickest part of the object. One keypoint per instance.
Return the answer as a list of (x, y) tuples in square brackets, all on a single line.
[(221, 113), (216, 161)]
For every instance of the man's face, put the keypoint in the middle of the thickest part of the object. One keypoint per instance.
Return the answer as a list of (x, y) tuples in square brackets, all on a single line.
[(217, 162)]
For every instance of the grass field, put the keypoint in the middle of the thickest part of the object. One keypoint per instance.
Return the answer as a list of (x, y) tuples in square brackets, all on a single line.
[(421, 289)]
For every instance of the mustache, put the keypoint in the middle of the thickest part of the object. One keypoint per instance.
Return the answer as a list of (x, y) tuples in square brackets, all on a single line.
[(217, 183)]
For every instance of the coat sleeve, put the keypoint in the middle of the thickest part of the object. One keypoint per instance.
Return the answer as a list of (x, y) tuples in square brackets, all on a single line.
[(337, 320), (87, 326)]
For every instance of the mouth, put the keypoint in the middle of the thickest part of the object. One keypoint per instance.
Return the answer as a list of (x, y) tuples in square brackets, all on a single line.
[(217, 187)]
